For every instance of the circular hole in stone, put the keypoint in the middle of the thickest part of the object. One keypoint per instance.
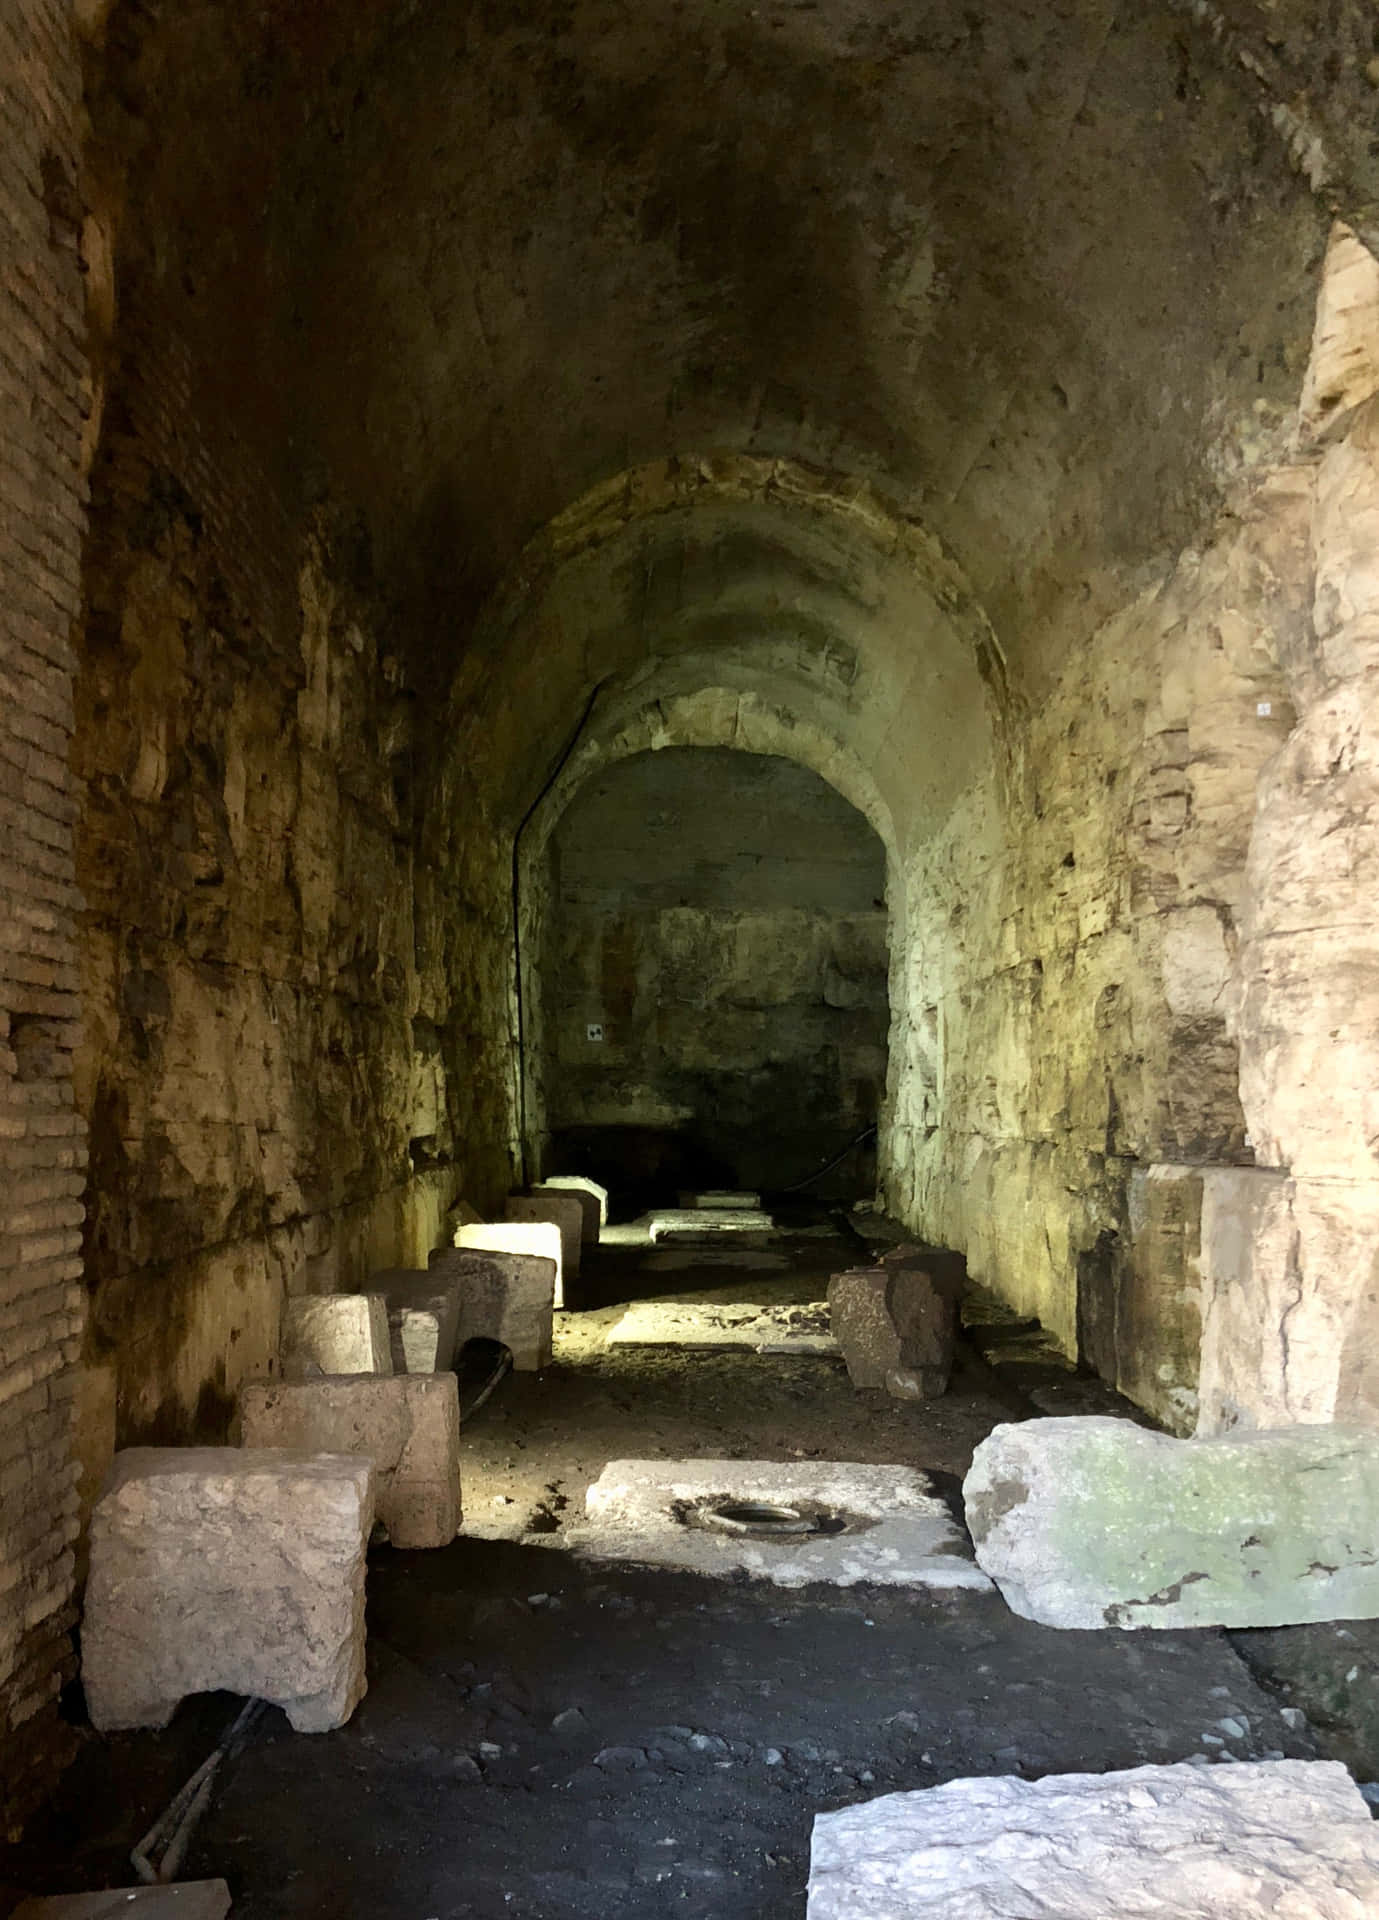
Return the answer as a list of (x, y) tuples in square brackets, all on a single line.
[(764, 1519)]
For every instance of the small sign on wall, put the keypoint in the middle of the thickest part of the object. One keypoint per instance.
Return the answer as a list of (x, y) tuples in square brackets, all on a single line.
[(594, 1031)]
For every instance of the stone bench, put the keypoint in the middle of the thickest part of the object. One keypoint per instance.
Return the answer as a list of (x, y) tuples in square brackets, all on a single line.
[(506, 1297), (221, 1567), (409, 1426), (336, 1333), (423, 1318), (540, 1238)]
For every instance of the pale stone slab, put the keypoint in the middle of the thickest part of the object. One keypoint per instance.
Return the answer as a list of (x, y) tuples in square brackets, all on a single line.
[(900, 1533), (423, 1318), (694, 1222), (506, 1297), (594, 1196), (720, 1199), (183, 1900), (336, 1333), (541, 1238), (1285, 1837), (409, 1426), (1096, 1522), (563, 1210), (218, 1567), (742, 1325)]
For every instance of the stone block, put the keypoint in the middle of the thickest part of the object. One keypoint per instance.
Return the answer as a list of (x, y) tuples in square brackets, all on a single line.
[(409, 1426), (563, 1210), (180, 1900), (423, 1318), (591, 1196), (1150, 1843), (897, 1322), (538, 1238), (1096, 1522), (336, 1333), (506, 1297), (218, 1567)]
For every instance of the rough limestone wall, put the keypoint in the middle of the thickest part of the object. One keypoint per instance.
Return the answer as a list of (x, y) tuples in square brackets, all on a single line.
[(1290, 1253), (719, 918), (281, 1008), (1066, 1066), (43, 401)]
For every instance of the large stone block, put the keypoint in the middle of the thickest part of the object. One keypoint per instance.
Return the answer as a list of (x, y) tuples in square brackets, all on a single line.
[(506, 1297), (1152, 1843), (563, 1210), (409, 1426), (336, 1333), (423, 1318), (179, 1900), (897, 1322), (538, 1238), (216, 1567), (1099, 1523), (589, 1193)]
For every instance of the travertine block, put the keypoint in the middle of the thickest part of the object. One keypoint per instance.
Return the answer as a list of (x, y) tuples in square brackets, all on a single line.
[(579, 1183), (409, 1426), (897, 1322), (423, 1318), (220, 1567), (541, 1238), (1096, 1522), (593, 1202), (180, 1900), (336, 1333), (506, 1297), (563, 1210), (1151, 1843)]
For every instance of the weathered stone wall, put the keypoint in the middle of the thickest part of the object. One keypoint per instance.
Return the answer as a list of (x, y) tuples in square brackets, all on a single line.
[(43, 400), (295, 1045), (1066, 1059), (720, 917)]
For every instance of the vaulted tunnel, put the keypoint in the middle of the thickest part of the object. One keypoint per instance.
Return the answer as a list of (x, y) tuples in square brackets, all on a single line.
[(423, 419)]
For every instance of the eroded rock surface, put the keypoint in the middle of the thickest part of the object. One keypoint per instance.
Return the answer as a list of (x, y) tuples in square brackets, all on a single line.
[(1152, 1843), (1096, 1522), (408, 1426), (213, 1567)]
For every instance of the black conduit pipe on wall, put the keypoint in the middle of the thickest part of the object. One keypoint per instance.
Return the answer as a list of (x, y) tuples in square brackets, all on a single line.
[(522, 826)]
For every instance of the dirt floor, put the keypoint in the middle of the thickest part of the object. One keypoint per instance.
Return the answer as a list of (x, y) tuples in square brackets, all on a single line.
[(558, 1740)]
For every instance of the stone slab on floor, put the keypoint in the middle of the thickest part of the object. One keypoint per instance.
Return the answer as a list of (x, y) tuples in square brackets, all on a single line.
[(182, 1900), (423, 1318), (692, 1223), (1289, 1837), (336, 1333), (507, 1297), (1097, 1522), (743, 1325), (905, 1535), (540, 1238), (220, 1567), (409, 1426)]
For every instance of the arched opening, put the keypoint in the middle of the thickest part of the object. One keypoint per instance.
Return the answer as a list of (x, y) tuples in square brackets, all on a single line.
[(714, 979)]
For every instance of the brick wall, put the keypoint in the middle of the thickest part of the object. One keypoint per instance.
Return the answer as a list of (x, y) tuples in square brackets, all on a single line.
[(43, 391)]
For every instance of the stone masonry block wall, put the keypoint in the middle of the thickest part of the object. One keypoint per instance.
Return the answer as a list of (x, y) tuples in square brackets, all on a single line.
[(285, 1054), (1066, 1053), (43, 404)]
